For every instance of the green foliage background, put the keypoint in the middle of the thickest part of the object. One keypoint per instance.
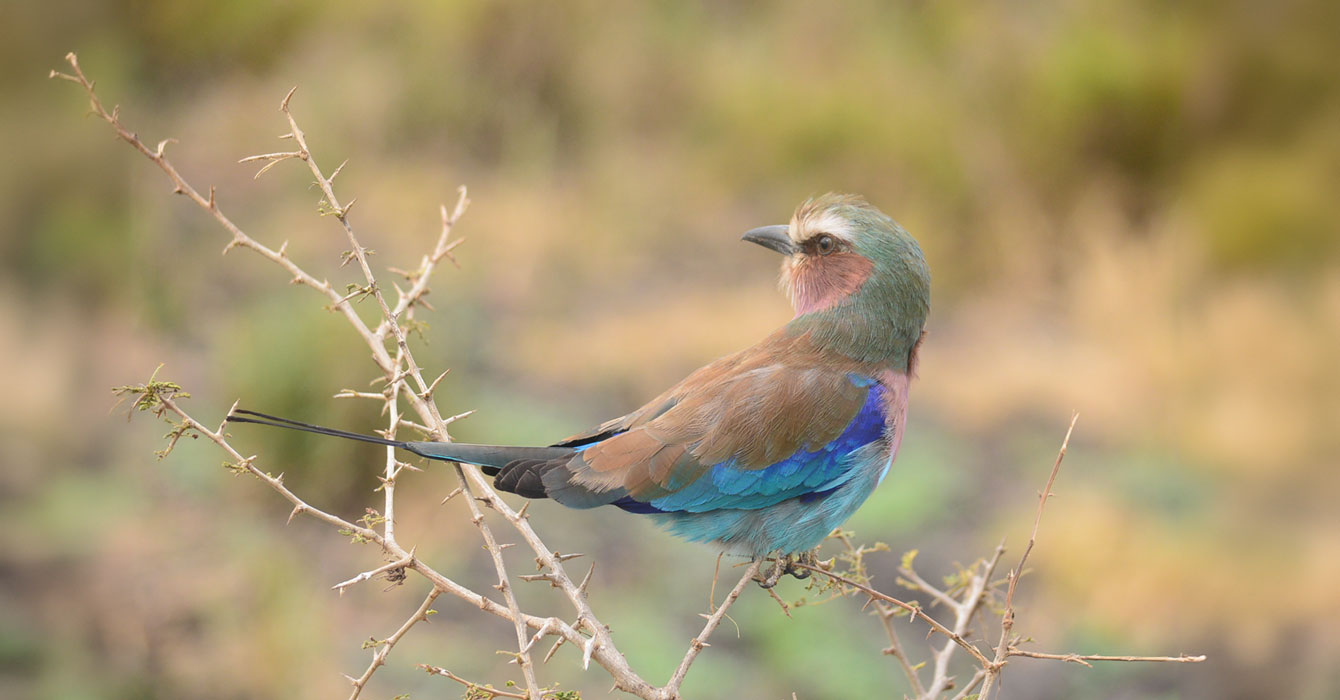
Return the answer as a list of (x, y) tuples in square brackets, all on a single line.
[(1129, 209)]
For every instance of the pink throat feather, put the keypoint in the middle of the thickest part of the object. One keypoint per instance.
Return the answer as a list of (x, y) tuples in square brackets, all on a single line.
[(821, 283)]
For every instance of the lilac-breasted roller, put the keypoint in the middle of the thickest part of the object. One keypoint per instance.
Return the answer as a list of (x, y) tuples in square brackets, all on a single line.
[(771, 448)]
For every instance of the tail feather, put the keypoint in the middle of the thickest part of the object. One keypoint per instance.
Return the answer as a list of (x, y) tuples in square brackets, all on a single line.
[(490, 458), (244, 416), (525, 477)]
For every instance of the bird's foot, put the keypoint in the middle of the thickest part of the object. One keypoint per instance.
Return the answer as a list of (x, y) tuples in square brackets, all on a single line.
[(787, 564), (774, 573), (810, 558)]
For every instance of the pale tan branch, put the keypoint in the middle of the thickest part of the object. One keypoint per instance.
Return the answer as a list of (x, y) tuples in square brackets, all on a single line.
[(351, 394), (697, 644), (896, 650), (383, 647), (606, 655), (458, 416), (473, 690), (428, 264), (504, 585), (973, 682), (924, 586), (275, 482), (915, 611), (600, 645), (209, 204), (886, 614), (964, 610), (425, 430), (426, 409), (1007, 618), (359, 254), (392, 408), (1084, 659), (401, 563)]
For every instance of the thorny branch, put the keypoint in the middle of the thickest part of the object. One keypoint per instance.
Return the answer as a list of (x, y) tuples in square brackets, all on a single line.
[(383, 647), (914, 610), (1006, 647), (404, 380), (1084, 659), (398, 370), (972, 589), (1007, 618), (964, 609), (700, 641), (473, 691)]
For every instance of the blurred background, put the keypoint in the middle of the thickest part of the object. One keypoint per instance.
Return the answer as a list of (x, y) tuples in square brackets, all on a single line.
[(1129, 210)]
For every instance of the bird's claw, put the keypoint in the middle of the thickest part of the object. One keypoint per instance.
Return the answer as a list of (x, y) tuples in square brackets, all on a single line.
[(788, 564), (774, 575)]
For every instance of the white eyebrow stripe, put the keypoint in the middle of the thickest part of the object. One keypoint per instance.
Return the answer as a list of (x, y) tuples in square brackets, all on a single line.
[(827, 222)]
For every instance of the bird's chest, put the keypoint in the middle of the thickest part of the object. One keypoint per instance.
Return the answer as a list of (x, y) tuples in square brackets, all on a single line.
[(883, 415), (894, 408)]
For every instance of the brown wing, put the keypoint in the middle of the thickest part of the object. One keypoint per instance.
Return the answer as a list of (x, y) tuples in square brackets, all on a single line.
[(756, 408)]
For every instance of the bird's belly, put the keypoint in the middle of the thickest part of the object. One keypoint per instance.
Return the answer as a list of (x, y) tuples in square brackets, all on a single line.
[(793, 525)]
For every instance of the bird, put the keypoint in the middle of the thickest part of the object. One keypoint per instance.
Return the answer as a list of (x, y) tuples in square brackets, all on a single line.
[(764, 452)]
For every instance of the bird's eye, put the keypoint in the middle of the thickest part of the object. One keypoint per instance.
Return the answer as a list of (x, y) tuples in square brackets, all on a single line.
[(825, 244)]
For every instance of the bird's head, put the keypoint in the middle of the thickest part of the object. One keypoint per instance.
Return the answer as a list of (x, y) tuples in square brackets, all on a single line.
[(855, 277)]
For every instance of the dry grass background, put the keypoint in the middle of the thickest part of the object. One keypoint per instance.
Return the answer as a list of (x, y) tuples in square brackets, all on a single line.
[(1129, 211)]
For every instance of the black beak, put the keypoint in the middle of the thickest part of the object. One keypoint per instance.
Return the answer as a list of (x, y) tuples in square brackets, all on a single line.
[(774, 237)]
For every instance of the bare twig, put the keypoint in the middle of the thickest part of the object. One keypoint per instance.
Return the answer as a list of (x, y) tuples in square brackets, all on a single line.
[(895, 648), (914, 610), (671, 689), (504, 585), (476, 691), (427, 409), (367, 575), (443, 248), (383, 647), (359, 253), (964, 609), (886, 614), (181, 186), (1083, 659), (473, 690), (603, 649), (1007, 618), (247, 465), (973, 682), (392, 407)]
